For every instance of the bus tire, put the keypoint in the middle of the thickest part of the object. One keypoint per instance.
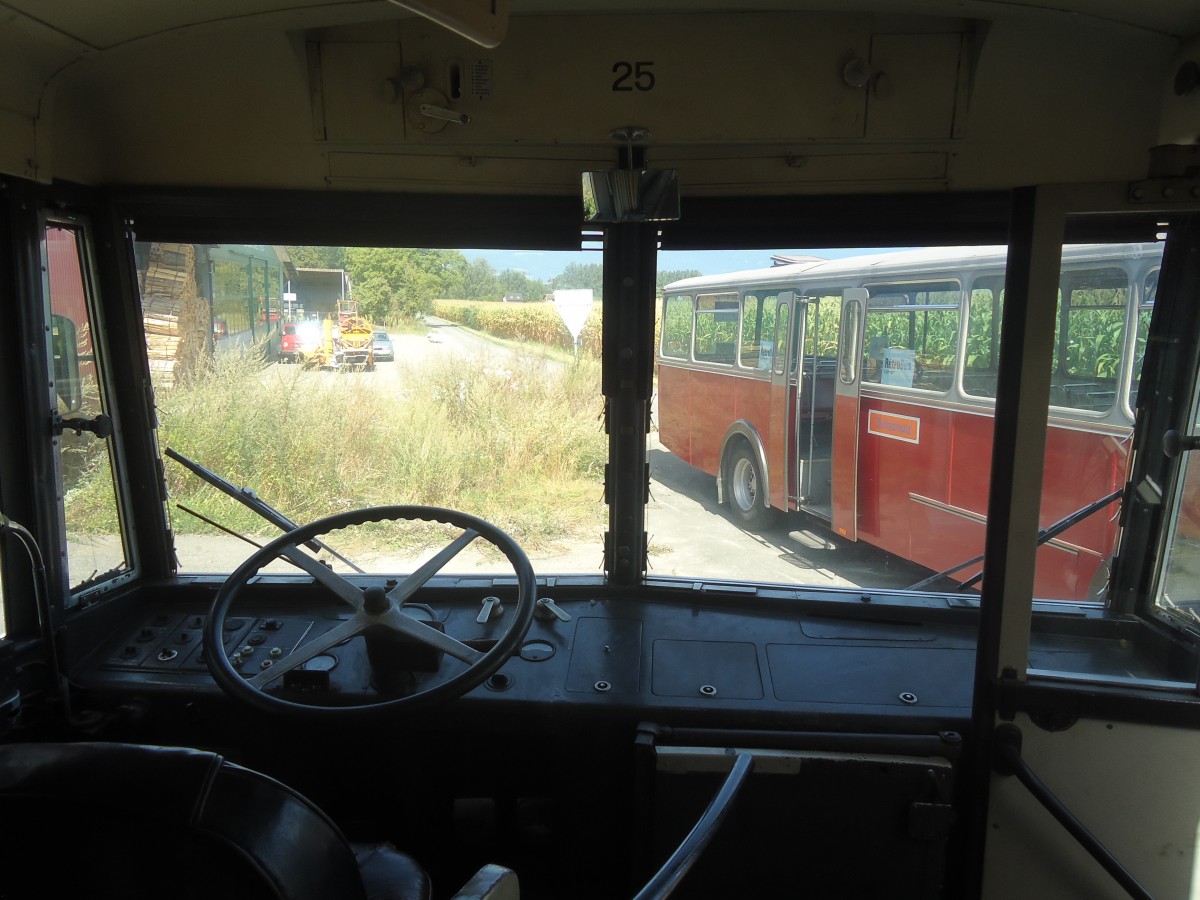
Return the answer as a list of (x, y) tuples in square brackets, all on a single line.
[(743, 489)]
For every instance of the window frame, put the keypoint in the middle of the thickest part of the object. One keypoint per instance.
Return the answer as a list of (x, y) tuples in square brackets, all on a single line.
[(102, 360)]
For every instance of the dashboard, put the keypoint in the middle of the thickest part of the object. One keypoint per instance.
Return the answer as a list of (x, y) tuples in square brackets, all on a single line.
[(680, 654)]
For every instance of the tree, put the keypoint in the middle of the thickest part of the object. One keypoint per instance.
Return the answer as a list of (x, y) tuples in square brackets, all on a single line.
[(669, 275), (581, 275), (403, 283), (514, 281), (318, 257), (479, 281)]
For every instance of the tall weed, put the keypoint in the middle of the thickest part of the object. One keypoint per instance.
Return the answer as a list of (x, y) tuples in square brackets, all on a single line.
[(520, 444)]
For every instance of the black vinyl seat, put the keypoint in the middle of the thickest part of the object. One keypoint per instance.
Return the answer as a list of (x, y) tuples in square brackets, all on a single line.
[(133, 821)]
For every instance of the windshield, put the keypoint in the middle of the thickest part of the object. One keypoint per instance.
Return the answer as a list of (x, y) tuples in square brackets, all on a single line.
[(496, 416), (819, 417)]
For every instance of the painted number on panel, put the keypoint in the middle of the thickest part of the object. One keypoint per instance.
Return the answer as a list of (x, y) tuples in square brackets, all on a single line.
[(633, 76)]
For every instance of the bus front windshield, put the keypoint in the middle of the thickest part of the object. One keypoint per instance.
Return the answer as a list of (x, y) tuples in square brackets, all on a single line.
[(819, 418)]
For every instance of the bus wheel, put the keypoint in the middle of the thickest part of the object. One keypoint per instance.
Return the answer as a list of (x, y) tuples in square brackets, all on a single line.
[(743, 487)]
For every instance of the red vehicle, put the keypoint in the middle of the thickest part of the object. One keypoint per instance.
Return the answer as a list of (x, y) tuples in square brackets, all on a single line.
[(298, 340), (862, 392)]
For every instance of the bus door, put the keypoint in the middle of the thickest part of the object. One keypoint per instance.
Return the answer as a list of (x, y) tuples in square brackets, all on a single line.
[(846, 415), (781, 441)]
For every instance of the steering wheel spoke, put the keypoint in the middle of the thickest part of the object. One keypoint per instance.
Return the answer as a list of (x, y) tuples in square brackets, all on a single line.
[(344, 589), (399, 621), (414, 582), (301, 655), (375, 609)]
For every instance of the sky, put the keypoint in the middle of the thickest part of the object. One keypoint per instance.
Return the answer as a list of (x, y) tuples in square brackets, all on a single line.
[(542, 265)]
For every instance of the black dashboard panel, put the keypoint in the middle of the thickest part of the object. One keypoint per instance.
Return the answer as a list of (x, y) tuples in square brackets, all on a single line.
[(687, 658), (681, 656)]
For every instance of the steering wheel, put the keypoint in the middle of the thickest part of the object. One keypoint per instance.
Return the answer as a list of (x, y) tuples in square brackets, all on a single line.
[(377, 613)]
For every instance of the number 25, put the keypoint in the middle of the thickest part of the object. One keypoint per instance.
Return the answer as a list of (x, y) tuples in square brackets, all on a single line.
[(633, 76)]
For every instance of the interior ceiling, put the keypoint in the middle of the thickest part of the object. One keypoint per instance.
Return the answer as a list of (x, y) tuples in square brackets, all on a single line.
[(101, 25)]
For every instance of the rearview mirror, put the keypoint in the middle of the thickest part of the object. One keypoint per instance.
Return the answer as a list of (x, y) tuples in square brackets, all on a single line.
[(65, 351), (631, 195)]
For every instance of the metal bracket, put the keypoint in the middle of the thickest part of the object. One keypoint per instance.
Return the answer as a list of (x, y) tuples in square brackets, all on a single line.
[(101, 426), (1165, 190)]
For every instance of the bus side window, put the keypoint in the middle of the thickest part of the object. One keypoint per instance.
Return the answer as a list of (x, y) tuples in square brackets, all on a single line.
[(1091, 339), (758, 332), (92, 494), (715, 338), (1144, 311), (848, 341), (985, 310), (677, 327), (781, 339), (912, 335)]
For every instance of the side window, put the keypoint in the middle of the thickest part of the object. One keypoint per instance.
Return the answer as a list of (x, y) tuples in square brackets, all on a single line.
[(716, 328), (848, 341), (912, 335), (1091, 337), (821, 324), (758, 331), (985, 311), (90, 491), (1144, 312), (781, 339), (677, 327)]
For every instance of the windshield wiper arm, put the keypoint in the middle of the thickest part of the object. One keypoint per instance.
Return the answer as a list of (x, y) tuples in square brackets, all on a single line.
[(254, 503), (1050, 531)]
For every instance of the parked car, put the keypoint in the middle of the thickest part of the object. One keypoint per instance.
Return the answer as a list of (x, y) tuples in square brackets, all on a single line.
[(298, 340), (381, 345)]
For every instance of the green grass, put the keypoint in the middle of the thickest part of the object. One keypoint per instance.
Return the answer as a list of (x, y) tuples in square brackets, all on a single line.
[(521, 446)]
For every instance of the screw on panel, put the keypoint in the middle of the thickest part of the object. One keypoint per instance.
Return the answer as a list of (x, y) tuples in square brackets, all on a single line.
[(707, 690), (908, 697), (602, 686)]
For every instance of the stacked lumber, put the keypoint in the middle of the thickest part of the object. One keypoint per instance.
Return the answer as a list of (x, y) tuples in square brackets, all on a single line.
[(175, 317)]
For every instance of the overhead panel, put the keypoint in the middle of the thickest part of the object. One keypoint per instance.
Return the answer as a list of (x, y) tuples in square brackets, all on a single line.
[(352, 76), (915, 86), (725, 78)]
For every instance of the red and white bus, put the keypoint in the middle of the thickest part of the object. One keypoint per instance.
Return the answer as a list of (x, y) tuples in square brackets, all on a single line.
[(861, 390)]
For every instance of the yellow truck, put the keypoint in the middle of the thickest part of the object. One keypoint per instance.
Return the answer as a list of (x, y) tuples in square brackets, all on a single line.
[(347, 341)]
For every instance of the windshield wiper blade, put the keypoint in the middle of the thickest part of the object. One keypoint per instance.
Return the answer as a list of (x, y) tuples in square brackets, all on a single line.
[(254, 503)]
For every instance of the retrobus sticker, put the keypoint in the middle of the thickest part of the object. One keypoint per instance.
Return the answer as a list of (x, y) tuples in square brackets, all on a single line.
[(896, 427)]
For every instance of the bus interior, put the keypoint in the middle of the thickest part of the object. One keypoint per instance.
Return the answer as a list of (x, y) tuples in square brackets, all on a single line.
[(526, 611)]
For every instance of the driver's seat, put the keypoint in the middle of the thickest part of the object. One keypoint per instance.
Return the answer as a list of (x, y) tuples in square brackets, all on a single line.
[(100, 820)]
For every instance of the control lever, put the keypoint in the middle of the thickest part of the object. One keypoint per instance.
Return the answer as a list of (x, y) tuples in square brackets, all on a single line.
[(446, 115), (546, 609), (491, 607)]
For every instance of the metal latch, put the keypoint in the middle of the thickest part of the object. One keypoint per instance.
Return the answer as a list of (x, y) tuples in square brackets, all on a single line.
[(101, 426)]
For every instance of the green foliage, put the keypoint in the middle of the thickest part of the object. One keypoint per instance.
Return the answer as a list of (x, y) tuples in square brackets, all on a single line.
[(670, 275), (315, 443), (318, 257), (535, 323), (479, 281), (391, 282), (581, 276)]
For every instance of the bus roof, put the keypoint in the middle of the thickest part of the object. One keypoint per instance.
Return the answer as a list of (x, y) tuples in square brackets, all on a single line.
[(924, 260)]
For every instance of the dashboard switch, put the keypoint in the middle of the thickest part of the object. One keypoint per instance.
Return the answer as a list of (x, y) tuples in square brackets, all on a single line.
[(547, 609), (491, 609)]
